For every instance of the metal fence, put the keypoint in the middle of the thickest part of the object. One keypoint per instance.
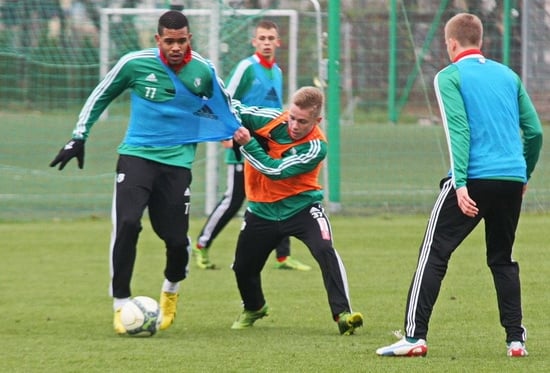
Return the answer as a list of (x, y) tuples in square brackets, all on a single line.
[(392, 152)]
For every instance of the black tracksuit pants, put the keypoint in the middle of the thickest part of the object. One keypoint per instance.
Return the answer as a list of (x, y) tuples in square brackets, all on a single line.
[(164, 190), (257, 239), (499, 203)]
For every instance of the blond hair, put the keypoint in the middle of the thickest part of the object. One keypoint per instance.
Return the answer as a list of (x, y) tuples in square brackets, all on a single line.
[(309, 98)]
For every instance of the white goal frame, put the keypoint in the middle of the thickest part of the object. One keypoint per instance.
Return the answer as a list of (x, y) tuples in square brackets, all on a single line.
[(211, 177)]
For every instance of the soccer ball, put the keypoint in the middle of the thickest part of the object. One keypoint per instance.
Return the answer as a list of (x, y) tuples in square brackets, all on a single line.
[(141, 316)]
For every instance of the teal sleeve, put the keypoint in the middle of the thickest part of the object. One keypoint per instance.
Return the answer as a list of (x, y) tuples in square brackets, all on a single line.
[(254, 117), (239, 82), (531, 130), (455, 121), (117, 80)]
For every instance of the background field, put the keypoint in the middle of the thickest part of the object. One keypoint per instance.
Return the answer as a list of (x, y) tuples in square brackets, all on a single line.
[(56, 314), (50, 53), (384, 168)]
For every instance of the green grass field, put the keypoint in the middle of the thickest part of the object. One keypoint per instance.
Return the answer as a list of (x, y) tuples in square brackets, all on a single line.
[(57, 315), (54, 271)]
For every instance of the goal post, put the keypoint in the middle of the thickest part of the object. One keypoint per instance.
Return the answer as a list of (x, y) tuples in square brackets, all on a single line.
[(215, 43)]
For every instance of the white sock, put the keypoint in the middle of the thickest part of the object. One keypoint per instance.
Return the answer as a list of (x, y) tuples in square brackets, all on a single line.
[(170, 287), (119, 302)]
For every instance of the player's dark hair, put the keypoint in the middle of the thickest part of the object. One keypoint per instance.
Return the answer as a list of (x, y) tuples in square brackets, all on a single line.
[(173, 20)]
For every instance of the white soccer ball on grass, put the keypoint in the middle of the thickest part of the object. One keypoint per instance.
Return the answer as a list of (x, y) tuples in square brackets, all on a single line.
[(141, 316)]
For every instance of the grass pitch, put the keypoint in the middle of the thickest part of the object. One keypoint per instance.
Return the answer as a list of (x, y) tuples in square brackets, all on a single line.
[(57, 315)]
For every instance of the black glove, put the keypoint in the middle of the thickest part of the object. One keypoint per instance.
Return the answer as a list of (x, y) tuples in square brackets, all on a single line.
[(74, 148)]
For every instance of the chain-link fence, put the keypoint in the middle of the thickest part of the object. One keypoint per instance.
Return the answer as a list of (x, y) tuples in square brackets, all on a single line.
[(392, 150)]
